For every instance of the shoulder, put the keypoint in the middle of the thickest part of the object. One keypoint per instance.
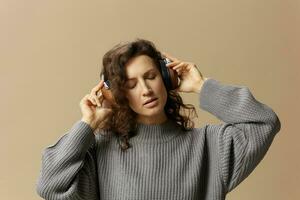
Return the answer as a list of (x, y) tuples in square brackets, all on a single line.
[(207, 132), (194, 134)]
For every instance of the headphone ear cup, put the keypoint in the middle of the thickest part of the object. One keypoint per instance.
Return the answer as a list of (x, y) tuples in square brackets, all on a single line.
[(170, 76), (173, 76)]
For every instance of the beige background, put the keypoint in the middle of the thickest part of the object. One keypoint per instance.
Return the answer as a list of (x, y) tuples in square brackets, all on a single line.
[(51, 52)]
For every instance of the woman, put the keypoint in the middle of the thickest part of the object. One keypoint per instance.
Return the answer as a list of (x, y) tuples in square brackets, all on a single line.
[(139, 150)]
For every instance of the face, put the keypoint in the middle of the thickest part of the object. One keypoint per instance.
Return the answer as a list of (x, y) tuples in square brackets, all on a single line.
[(144, 82)]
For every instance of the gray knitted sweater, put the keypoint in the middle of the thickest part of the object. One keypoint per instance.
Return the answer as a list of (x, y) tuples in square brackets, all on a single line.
[(164, 162)]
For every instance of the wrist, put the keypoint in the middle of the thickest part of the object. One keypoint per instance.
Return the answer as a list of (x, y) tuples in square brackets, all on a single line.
[(89, 122), (198, 85)]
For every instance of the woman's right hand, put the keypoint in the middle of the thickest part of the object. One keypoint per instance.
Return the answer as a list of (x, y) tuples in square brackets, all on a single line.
[(95, 108)]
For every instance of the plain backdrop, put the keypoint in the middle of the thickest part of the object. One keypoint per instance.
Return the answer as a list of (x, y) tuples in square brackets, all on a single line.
[(51, 53)]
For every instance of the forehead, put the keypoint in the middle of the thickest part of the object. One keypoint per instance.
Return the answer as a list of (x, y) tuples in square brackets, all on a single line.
[(139, 65)]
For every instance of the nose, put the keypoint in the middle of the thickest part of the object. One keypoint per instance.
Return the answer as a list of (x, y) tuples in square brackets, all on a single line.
[(146, 90)]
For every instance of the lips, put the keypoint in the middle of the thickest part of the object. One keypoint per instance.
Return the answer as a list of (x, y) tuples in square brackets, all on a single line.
[(149, 100)]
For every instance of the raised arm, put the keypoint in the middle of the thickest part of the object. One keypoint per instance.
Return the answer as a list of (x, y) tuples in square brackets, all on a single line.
[(69, 168), (249, 129)]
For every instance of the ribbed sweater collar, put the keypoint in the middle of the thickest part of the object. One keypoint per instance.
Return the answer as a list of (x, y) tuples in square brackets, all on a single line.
[(155, 133)]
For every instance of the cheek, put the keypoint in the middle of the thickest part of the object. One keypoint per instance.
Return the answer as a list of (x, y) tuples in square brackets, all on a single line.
[(163, 91), (160, 86), (132, 98)]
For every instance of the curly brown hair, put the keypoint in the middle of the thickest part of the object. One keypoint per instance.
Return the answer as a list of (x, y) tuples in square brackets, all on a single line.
[(123, 121)]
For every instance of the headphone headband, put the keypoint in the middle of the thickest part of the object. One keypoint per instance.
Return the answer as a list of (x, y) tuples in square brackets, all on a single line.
[(169, 76)]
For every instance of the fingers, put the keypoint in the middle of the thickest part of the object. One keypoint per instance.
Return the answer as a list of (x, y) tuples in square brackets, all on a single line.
[(98, 99), (92, 99), (87, 100), (178, 66), (96, 93), (97, 87)]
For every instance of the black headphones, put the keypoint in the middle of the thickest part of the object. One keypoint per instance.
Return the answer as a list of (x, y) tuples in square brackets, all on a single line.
[(169, 76)]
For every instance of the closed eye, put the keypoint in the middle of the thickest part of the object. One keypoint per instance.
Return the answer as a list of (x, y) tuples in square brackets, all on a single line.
[(151, 77)]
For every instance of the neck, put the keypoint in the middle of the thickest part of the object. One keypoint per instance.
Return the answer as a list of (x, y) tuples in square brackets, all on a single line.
[(152, 120), (155, 133)]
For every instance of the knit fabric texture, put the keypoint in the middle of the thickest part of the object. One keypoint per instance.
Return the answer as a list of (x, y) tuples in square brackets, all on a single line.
[(164, 162)]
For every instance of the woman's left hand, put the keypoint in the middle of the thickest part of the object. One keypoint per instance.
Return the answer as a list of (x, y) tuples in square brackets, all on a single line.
[(191, 79)]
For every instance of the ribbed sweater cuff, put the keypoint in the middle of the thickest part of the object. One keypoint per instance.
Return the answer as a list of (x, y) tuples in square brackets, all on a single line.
[(209, 91), (217, 98), (81, 136)]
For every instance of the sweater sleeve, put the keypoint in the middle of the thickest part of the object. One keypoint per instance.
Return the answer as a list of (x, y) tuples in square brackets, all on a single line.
[(247, 132), (68, 168)]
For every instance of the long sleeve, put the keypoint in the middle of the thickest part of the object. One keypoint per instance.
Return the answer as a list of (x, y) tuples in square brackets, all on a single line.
[(247, 132), (69, 166)]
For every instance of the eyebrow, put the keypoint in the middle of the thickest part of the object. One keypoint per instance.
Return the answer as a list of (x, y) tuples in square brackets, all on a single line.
[(146, 73)]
